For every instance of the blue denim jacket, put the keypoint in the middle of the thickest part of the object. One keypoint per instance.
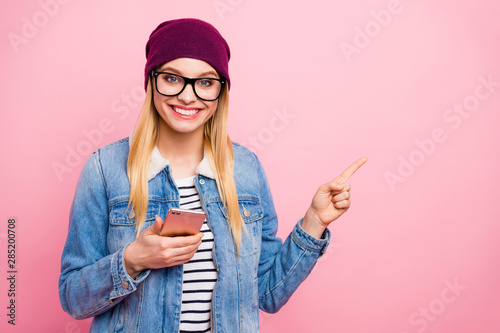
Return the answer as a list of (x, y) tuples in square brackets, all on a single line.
[(95, 283)]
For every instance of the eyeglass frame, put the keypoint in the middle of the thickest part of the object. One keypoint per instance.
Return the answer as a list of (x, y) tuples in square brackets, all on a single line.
[(190, 81)]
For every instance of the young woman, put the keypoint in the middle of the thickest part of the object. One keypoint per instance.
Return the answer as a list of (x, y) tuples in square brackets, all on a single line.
[(115, 266)]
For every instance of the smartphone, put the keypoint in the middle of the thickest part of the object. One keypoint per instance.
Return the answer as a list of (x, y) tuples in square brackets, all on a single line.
[(182, 222)]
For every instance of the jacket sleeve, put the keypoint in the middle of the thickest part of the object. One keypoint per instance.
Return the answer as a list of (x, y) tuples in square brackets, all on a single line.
[(283, 267), (92, 280)]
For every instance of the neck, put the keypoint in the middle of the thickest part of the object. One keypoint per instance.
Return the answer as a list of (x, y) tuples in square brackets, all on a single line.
[(176, 146)]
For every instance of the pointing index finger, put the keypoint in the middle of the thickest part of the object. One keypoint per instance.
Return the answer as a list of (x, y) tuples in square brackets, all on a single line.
[(351, 170)]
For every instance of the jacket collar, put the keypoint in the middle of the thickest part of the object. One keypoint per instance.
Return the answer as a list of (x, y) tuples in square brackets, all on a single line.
[(157, 163)]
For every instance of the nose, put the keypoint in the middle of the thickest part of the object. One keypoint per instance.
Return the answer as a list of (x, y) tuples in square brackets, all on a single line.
[(187, 96)]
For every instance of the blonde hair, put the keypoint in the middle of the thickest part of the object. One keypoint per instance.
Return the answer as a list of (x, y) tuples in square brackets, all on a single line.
[(218, 149)]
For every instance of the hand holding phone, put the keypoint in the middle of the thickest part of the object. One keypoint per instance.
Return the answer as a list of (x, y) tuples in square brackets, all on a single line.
[(148, 251), (182, 222)]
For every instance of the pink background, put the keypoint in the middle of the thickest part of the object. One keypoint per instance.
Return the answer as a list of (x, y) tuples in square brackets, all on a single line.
[(425, 209)]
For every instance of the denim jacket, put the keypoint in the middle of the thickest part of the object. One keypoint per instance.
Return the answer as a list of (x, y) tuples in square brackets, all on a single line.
[(95, 283)]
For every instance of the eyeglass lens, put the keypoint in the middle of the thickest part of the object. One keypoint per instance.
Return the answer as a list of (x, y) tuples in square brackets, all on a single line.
[(171, 84)]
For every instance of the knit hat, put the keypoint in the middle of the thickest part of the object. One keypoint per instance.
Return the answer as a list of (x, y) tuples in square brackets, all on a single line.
[(187, 38)]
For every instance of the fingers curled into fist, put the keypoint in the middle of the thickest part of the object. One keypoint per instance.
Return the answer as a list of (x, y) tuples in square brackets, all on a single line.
[(341, 199)]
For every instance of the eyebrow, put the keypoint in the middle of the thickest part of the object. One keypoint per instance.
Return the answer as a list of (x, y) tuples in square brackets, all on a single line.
[(175, 71)]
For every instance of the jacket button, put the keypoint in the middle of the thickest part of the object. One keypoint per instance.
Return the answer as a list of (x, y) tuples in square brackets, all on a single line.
[(131, 215), (202, 181), (246, 212), (124, 284)]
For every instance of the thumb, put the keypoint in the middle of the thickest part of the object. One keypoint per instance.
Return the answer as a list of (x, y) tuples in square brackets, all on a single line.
[(155, 227), (331, 186)]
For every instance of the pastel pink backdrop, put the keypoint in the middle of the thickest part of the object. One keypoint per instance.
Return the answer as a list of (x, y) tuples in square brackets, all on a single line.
[(315, 85)]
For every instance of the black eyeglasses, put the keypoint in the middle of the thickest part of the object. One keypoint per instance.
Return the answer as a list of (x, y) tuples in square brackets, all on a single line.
[(205, 88)]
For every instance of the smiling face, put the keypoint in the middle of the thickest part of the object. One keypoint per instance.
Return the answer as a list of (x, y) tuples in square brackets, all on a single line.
[(185, 113)]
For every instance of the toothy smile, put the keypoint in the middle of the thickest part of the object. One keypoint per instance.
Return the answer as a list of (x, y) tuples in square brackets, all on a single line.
[(185, 112)]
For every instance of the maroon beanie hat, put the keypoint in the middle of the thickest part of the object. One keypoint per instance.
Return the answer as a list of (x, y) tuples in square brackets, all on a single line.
[(187, 38)]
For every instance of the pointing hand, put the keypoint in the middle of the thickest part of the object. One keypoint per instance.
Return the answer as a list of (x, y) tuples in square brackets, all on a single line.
[(330, 201)]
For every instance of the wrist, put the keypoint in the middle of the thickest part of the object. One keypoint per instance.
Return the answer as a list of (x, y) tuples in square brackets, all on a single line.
[(128, 257), (312, 225)]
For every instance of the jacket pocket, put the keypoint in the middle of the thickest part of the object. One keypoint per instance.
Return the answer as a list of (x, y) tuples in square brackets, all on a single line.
[(252, 214), (120, 215), (122, 228)]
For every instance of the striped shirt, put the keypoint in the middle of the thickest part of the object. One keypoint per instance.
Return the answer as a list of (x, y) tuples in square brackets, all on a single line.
[(200, 273)]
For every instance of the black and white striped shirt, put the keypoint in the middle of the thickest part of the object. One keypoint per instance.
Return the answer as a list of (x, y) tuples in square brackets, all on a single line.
[(200, 273)]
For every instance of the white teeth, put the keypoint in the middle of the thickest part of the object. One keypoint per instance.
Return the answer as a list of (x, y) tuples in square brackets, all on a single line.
[(185, 112)]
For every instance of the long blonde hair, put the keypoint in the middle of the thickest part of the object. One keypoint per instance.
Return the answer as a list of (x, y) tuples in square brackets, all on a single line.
[(217, 147)]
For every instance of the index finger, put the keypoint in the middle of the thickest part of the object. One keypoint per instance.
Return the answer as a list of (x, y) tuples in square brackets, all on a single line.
[(351, 170)]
